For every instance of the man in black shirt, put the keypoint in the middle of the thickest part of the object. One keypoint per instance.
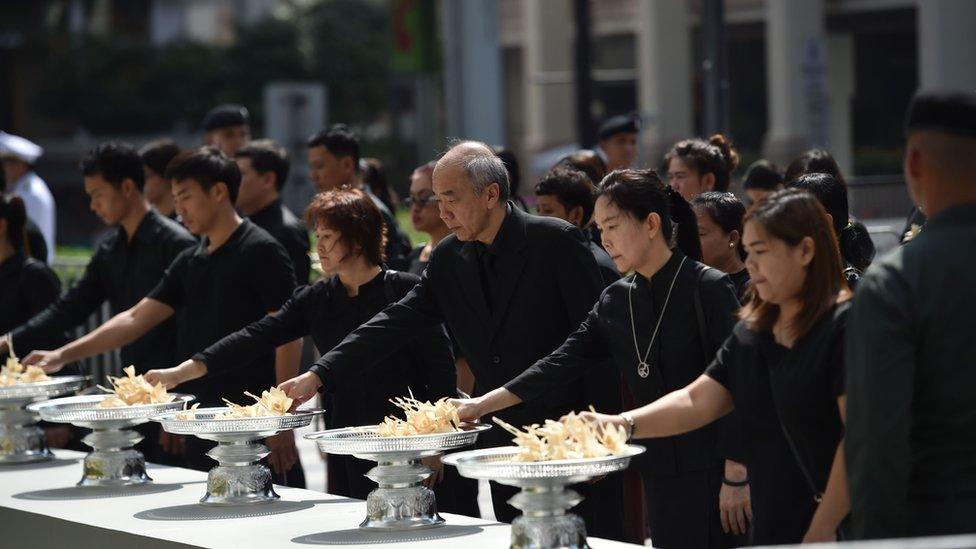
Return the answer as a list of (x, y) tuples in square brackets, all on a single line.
[(568, 194), (333, 161), (235, 275), (156, 155), (500, 264), (264, 170), (126, 265)]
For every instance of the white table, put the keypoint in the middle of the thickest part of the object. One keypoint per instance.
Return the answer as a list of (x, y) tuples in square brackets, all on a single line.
[(40, 506)]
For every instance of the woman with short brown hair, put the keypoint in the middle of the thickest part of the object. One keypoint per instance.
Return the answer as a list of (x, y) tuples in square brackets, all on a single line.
[(350, 241)]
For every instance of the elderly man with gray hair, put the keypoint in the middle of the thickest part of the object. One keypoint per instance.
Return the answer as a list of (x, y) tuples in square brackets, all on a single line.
[(511, 287)]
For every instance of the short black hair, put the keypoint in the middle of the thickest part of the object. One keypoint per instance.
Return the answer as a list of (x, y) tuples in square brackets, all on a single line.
[(511, 166), (830, 191), (157, 154), (571, 188), (115, 162), (814, 161), (339, 140), (207, 166), (764, 175), (725, 210), (267, 156)]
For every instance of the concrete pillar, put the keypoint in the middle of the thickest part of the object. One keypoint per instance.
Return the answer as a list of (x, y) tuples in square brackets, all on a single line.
[(473, 70), (795, 75), (946, 43), (664, 77), (840, 93), (548, 34)]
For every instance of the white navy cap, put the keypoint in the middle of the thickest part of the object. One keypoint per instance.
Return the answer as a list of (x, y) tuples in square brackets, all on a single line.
[(19, 148)]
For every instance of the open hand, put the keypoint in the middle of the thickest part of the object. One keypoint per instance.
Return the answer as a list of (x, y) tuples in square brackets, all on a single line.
[(49, 361), (301, 388)]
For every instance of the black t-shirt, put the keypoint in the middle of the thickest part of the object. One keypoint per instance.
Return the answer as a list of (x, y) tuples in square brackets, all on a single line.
[(282, 224), (27, 286), (800, 386), (218, 293), (324, 310), (121, 271), (741, 282)]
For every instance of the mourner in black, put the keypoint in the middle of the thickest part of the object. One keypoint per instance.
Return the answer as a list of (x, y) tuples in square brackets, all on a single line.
[(264, 169), (27, 285), (500, 263), (156, 155), (235, 275), (617, 141), (661, 326), (126, 265), (333, 161), (568, 194), (911, 362), (720, 232), (227, 127), (762, 179), (782, 371), (832, 193), (856, 246), (350, 244), (698, 166), (425, 217)]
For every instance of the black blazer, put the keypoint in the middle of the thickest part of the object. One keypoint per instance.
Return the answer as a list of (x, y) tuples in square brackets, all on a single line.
[(548, 281)]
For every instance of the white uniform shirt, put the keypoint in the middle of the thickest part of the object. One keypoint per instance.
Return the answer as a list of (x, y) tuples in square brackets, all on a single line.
[(40, 206)]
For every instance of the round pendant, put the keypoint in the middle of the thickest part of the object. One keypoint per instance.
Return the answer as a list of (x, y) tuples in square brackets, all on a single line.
[(643, 369)]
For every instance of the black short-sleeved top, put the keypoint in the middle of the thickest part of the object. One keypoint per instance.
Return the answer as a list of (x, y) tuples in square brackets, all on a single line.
[(121, 271), (218, 293), (799, 386), (741, 281), (327, 312), (282, 224), (27, 286)]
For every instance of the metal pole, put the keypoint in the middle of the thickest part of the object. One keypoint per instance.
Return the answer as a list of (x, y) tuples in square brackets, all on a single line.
[(714, 67), (585, 129)]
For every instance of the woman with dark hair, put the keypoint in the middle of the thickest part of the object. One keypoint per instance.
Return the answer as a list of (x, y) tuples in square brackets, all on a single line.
[(27, 286), (695, 166), (351, 238), (762, 179), (782, 370), (374, 177), (856, 246), (832, 194), (661, 327), (720, 231)]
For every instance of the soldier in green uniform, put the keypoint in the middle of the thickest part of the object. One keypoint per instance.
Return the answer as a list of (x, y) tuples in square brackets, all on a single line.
[(911, 358)]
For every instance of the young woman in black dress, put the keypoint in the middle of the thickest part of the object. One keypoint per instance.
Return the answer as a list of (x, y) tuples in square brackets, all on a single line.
[(350, 241), (782, 371), (720, 230), (661, 327)]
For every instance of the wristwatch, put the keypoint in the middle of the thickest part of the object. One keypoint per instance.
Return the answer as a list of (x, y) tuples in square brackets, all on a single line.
[(630, 424)]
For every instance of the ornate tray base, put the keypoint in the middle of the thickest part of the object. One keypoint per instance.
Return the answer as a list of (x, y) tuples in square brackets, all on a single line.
[(113, 460), (544, 521), (400, 502), (239, 478), (21, 440)]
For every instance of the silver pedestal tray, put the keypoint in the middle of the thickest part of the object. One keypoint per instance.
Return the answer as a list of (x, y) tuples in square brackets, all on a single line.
[(113, 461), (21, 440), (544, 499), (401, 502), (238, 478)]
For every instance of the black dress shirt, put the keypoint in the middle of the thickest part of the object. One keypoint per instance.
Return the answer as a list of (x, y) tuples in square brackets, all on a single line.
[(217, 293), (282, 224), (799, 386), (27, 286), (424, 366), (676, 359), (121, 272)]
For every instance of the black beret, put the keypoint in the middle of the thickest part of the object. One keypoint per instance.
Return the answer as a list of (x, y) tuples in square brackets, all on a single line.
[(622, 123), (952, 112), (224, 116)]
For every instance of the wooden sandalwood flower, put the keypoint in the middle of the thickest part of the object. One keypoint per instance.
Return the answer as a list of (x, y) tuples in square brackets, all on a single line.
[(569, 438), (133, 390)]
